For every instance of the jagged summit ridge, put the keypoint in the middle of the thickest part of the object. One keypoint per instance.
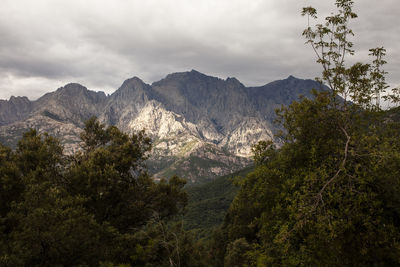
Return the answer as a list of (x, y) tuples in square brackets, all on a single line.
[(184, 113)]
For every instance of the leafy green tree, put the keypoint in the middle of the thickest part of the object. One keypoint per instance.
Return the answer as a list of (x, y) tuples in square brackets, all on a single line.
[(86, 209), (110, 173), (10, 182), (39, 156), (236, 253), (52, 228), (10, 190), (164, 243), (41, 224), (330, 195)]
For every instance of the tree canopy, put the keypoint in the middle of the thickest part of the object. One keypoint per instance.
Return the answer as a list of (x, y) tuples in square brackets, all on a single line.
[(89, 208), (330, 195)]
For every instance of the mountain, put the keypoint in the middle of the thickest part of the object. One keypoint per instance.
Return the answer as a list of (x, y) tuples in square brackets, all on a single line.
[(61, 113), (14, 109), (202, 126), (72, 103)]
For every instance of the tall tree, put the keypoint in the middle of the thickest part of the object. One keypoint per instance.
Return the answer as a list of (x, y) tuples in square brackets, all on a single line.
[(330, 195)]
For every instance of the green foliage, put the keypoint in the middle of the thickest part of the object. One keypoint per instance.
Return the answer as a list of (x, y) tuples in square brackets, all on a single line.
[(111, 175), (39, 157), (209, 203), (330, 195), (96, 207), (360, 83), (52, 228), (10, 181), (168, 245), (263, 151), (236, 253)]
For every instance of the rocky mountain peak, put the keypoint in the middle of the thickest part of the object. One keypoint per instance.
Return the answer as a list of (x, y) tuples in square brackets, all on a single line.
[(133, 83), (76, 91), (193, 71), (232, 81), (72, 88), (69, 90), (15, 108), (18, 100), (194, 119), (126, 102), (131, 88), (181, 79), (71, 95)]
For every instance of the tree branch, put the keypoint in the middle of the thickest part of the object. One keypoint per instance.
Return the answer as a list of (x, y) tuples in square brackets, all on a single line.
[(342, 165)]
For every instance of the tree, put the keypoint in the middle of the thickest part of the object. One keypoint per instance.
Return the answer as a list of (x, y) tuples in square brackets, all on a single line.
[(41, 224), (52, 228), (86, 209), (110, 173), (330, 195)]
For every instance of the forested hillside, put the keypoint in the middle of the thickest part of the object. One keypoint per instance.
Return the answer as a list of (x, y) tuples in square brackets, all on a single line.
[(208, 203)]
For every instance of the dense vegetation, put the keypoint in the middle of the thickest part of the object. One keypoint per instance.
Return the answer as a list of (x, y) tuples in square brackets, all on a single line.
[(330, 196), (208, 203), (98, 206)]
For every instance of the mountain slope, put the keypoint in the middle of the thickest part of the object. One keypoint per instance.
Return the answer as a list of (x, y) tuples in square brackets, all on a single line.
[(201, 126), (72, 103), (15, 109)]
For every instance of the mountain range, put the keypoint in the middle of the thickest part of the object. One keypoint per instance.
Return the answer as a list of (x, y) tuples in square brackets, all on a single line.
[(201, 126)]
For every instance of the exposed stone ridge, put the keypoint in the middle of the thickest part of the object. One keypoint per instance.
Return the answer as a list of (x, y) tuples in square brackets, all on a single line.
[(14, 109), (184, 113)]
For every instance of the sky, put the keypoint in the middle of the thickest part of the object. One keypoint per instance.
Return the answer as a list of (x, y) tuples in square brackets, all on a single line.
[(45, 44)]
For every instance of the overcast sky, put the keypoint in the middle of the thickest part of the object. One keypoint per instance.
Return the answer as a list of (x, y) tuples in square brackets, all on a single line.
[(45, 44)]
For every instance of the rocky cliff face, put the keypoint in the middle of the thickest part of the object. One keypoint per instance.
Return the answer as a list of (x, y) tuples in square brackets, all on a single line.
[(72, 103), (201, 126), (15, 109)]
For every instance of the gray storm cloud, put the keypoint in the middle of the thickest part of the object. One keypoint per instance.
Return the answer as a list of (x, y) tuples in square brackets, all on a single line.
[(47, 43)]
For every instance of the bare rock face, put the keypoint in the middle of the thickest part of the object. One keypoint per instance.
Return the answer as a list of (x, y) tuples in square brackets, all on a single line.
[(201, 126), (125, 103), (72, 103), (67, 132), (15, 109), (248, 132), (204, 162)]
